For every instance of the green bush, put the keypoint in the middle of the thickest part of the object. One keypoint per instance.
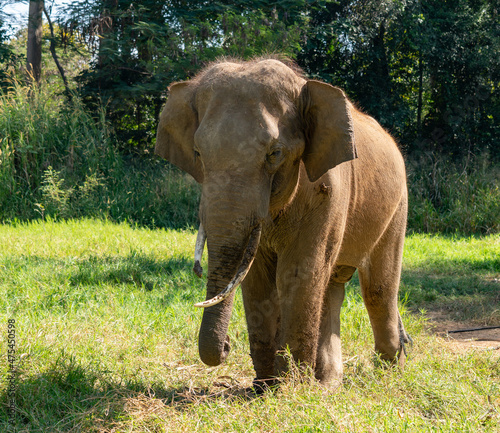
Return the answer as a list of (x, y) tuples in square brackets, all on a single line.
[(447, 197), (44, 145), (59, 161)]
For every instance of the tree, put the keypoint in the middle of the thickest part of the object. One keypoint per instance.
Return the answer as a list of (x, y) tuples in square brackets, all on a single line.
[(429, 71), (34, 48), (459, 51), (72, 55), (140, 48)]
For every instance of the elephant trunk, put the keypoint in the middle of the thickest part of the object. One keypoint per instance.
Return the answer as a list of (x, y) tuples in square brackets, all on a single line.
[(231, 250), (231, 214), (213, 341), (246, 263)]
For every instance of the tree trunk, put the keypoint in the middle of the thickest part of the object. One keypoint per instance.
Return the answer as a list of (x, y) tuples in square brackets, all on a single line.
[(34, 49), (54, 54)]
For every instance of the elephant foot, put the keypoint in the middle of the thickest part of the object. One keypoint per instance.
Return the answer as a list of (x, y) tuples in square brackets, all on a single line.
[(330, 382), (399, 359), (261, 386), (394, 352)]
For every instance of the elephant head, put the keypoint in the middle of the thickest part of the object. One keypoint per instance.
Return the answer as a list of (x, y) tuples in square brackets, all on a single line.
[(242, 130)]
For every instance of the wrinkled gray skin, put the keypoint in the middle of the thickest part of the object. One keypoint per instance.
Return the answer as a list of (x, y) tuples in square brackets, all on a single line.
[(324, 186)]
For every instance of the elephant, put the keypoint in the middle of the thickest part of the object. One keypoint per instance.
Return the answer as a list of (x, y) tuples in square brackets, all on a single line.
[(299, 189)]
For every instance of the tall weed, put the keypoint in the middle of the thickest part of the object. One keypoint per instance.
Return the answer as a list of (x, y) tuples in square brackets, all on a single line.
[(45, 144), (58, 160), (449, 197)]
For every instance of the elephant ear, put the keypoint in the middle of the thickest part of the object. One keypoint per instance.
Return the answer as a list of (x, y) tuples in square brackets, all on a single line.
[(175, 136), (329, 128)]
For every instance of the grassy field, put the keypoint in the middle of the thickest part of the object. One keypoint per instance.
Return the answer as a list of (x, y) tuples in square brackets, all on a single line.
[(106, 341)]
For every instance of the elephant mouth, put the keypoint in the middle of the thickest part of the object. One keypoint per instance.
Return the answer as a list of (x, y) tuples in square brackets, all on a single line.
[(244, 267)]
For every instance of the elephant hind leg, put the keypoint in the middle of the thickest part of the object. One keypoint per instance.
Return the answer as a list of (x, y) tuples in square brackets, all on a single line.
[(379, 277), (329, 355)]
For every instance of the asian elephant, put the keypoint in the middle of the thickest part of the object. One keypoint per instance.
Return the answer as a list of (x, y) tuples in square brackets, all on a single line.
[(299, 189)]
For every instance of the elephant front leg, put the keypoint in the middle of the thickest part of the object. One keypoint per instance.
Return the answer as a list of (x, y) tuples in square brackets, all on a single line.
[(301, 289), (262, 314)]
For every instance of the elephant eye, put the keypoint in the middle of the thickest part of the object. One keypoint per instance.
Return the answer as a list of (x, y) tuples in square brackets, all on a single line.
[(196, 154), (274, 157)]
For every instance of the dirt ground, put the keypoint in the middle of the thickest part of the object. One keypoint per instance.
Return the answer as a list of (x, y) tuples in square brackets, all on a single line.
[(487, 339)]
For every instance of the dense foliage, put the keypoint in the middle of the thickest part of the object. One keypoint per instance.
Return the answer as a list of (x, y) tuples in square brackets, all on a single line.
[(428, 71), (139, 48), (60, 162), (7, 55)]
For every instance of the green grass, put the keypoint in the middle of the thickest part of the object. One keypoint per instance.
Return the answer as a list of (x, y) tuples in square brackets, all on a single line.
[(107, 341)]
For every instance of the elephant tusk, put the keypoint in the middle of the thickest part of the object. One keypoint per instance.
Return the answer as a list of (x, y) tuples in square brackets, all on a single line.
[(198, 250), (246, 263)]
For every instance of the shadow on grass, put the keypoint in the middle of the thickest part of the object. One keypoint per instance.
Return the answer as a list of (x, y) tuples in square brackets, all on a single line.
[(139, 269), (465, 291), (71, 398), (459, 290)]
